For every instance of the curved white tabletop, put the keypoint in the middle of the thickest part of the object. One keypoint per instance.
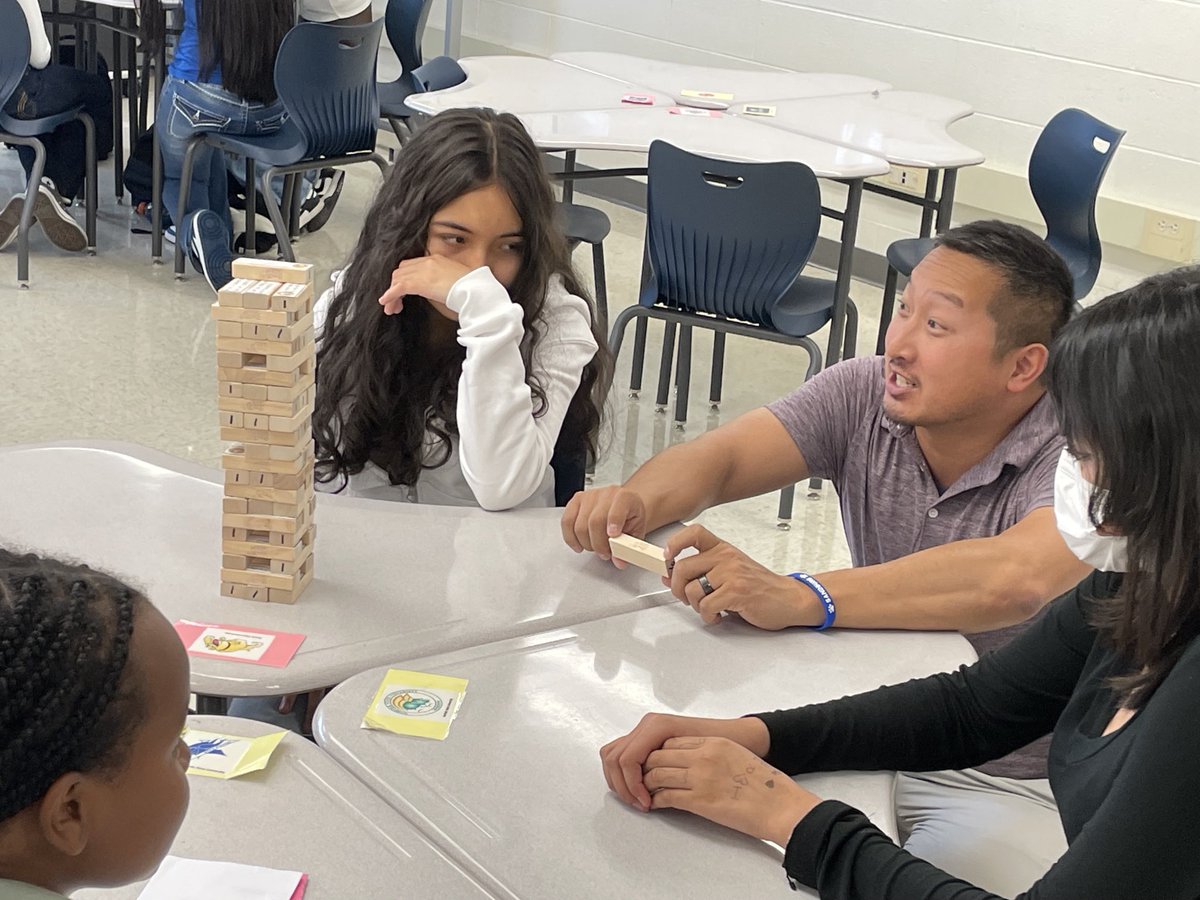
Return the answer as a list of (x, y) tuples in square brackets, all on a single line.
[(519, 84), (721, 136), (306, 813), (393, 580), (906, 128), (516, 795), (673, 79)]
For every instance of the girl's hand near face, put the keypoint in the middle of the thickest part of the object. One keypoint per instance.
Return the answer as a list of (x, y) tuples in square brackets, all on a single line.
[(430, 277)]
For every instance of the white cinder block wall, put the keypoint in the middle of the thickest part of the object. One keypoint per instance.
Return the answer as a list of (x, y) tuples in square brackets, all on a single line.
[(1133, 63)]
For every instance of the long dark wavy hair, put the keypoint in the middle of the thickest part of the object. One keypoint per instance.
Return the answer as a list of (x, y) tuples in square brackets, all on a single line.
[(242, 37), (381, 383), (1124, 376)]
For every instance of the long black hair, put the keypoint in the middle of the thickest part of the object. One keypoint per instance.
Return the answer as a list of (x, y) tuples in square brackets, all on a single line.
[(381, 384), (64, 641), (1124, 377), (241, 37)]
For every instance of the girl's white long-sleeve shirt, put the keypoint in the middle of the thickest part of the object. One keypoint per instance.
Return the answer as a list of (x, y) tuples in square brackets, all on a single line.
[(39, 44), (500, 458)]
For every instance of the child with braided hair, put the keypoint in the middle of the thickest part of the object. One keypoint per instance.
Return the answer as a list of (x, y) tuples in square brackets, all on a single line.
[(93, 699)]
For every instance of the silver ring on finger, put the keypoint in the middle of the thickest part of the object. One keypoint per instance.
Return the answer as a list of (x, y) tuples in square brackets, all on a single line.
[(705, 584)]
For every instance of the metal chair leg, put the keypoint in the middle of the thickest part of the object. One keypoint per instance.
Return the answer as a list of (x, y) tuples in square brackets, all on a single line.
[(185, 185), (786, 500), (638, 366), (664, 368), (885, 311), (601, 286), (683, 380), (92, 195), (35, 179), (718, 371), (276, 214), (252, 206)]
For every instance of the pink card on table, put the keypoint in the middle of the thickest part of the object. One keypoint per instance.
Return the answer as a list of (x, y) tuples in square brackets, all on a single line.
[(256, 646), (639, 99), (301, 888)]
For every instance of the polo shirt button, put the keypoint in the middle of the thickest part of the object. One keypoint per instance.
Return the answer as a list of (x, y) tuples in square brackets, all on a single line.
[(933, 514)]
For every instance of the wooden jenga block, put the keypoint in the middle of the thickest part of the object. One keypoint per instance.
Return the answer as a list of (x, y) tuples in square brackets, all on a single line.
[(640, 553), (267, 579), (260, 555), (272, 270), (268, 348), (257, 376), (231, 419), (287, 394), (291, 423), (278, 595), (230, 389), (290, 451), (230, 296), (278, 481), (296, 441), (229, 329), (254, 391), (301, 361), (245, 591), (270, 524), (258, 295), (235, 506), (260, 508), (236, 458), (279, 333), (261, 316), (263, 407), (275, 495), (297, 298), (230, 561)]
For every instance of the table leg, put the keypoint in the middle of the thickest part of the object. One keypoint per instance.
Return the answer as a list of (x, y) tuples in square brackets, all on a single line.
[(946, 204), (207, 705), (837, 326), (931, 189), (568, 185), (118, 112)]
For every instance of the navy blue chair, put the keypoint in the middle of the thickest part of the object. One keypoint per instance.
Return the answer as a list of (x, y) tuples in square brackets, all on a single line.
[(405, 23), (725, 245), (1066, 168), (325, 76), (14, 60)]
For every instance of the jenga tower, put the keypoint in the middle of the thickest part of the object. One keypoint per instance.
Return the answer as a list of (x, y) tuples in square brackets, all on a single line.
[(265, 371)]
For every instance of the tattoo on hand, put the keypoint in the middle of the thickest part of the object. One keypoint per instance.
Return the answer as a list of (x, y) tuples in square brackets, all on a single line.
[(736, 791), (770, 782), (741, 779)]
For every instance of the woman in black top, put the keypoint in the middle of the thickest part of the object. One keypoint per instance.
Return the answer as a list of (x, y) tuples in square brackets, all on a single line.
[(1112, 669)]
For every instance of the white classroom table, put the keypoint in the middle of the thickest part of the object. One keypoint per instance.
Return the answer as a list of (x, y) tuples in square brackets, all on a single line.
[(519, 84), (737, 138), (516, 793), (393, 580), (305, 813), (758, 85)]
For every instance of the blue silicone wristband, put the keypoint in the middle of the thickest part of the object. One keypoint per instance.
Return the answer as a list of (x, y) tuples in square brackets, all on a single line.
[(826, 601)]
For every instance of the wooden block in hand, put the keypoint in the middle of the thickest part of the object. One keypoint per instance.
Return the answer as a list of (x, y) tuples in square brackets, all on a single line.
[(640, 553)]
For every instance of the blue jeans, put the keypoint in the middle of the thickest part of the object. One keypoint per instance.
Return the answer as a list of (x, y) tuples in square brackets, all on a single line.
[(187, 108)]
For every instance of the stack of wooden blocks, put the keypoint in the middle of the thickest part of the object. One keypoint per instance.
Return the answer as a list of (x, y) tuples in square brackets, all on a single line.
[(265, 369)]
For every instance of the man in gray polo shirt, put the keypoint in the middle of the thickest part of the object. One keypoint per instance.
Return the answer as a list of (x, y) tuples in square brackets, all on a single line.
[(943, 455)]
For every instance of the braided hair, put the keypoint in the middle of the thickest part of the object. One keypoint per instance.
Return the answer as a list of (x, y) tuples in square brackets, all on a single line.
[(64, 642)]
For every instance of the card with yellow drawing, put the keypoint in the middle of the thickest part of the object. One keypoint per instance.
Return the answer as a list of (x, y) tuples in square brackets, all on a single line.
[(217, 755), (416, 703), (247, 645)]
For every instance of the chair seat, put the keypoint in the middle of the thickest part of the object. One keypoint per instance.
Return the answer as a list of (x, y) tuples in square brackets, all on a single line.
[(279, 148), (904, 255), (585, 223), (392, 95), (34, 127), (806, 307)]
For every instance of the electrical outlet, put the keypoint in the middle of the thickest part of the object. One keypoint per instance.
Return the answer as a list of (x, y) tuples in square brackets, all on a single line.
[(911, 181), (1168, 236)]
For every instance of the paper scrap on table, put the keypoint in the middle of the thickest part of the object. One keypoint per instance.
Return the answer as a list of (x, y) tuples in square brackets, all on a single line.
[(201, 879), (231, 642), (416, 703), (753, 110), (693, 111), (705, 95), (217, 755), (639, 99)]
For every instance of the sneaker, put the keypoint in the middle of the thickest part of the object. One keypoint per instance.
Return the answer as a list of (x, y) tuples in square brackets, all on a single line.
[(10, 220), (316, 210), (209, 249), (56, 222)]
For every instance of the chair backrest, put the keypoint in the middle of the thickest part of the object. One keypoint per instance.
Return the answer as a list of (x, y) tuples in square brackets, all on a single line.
[(439, 73), (325, 76), (405, 22), (14, 49), (727, 238), (1065, 171)]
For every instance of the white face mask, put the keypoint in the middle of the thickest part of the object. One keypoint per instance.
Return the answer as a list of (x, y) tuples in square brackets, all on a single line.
[(1072, 496)]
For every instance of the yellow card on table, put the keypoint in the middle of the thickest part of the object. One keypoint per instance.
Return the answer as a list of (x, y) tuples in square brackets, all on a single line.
[(416, 703), (706, 95), (217, 755)]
